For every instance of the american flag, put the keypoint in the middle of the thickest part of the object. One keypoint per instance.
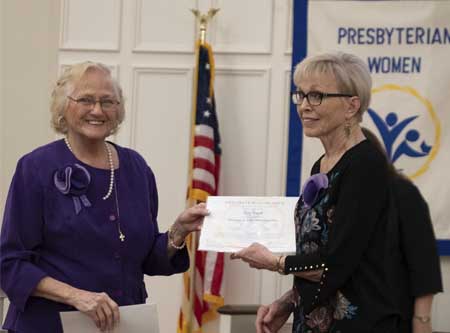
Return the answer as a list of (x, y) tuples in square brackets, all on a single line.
[(205, 277)]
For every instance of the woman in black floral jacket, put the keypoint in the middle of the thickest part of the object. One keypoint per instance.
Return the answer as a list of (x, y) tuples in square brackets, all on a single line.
[(346, 262)]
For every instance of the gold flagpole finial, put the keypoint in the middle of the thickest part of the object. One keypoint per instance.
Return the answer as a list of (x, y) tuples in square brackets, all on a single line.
[(203, 20)]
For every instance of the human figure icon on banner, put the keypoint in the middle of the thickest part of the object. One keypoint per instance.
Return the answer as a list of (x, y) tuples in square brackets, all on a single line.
[(405, 149), (390, 129)]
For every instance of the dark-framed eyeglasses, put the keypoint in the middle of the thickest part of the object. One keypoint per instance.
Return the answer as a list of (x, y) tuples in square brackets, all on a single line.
[(314, 98), (106, 104)]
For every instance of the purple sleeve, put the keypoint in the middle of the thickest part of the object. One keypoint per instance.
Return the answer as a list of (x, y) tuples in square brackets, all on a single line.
[(157, 261), (21, 235)]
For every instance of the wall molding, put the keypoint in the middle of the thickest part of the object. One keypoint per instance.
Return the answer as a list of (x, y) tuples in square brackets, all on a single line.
[(65, 43), (263, 74), (145, 47), (137, 72), (220, 48), (289, 27)]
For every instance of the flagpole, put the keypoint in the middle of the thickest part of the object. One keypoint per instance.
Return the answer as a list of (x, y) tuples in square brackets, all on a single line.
[(203, 20), (190, 202)]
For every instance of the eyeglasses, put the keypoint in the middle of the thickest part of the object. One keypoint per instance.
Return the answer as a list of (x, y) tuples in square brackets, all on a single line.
[(89, 102), (314, 98)]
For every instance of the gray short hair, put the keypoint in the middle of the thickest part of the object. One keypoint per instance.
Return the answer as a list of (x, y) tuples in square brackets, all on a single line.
[(351, 73), (66, 85)]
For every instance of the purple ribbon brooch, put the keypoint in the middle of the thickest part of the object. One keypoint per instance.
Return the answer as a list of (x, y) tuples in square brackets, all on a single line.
[(74, 181), (312, 187)]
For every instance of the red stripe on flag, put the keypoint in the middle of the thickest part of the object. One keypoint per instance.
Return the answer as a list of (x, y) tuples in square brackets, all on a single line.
[(200, 262), (218, 274), (202, 186), (217, 173), (198, 310), (201, 163), (203, 141)]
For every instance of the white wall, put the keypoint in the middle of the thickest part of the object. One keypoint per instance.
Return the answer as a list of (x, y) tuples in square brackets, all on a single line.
[(29, 62), (149, 46)]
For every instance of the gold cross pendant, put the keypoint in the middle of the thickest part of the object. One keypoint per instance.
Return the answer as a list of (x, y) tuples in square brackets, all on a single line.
[(122, 237)]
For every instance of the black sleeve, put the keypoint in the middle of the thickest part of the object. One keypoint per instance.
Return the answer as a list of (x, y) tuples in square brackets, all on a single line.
[(417, 240), (303, 263)]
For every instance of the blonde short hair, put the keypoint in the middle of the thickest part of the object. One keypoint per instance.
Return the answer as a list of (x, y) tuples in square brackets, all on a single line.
[(351, 73), (65, 86)]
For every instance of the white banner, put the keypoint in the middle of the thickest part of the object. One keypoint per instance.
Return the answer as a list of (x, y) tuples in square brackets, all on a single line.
[(407, 47)]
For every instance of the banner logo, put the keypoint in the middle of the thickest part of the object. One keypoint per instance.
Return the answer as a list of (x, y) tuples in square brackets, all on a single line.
[(408, 126)]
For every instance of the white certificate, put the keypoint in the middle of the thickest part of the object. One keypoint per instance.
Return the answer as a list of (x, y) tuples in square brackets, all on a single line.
[(236, 222), (141, 318)]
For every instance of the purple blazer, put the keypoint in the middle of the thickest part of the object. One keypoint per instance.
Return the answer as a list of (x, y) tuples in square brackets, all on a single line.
[(69, 233)]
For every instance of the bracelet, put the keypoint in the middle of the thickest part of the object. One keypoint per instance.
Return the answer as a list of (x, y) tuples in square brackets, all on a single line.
[(279, 268), (422, 319), (171, 242)]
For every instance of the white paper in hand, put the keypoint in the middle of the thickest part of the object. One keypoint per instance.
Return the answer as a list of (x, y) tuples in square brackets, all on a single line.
[(142, 318)]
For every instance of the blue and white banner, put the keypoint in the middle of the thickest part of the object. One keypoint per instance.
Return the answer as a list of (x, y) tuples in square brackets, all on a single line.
[(407, 47)]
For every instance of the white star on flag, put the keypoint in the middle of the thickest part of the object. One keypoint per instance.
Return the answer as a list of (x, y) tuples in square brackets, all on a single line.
[(208, 100), (206, 113), (207, 66)]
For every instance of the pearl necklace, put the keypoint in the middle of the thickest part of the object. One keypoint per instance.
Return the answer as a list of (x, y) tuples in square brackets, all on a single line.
[(111, 167)]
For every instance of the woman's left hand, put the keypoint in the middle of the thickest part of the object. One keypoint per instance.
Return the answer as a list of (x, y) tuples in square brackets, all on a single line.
[(257, 256), (188, 221)]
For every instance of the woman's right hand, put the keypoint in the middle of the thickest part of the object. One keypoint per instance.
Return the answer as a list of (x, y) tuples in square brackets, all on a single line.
[(99, 306), (269, 319), (188, 221)]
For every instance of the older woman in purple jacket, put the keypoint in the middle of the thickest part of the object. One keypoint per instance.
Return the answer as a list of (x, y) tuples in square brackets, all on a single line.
[(80, 228)]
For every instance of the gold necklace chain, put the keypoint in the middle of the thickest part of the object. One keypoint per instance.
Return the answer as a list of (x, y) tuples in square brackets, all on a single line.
[(121, 234)]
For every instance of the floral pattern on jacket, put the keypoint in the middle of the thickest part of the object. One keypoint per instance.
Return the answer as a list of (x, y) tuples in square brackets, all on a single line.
[(312, 225)]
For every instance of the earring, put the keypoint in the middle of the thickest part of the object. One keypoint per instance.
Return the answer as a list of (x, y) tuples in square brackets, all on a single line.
[(347, 129), (60, 120)]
